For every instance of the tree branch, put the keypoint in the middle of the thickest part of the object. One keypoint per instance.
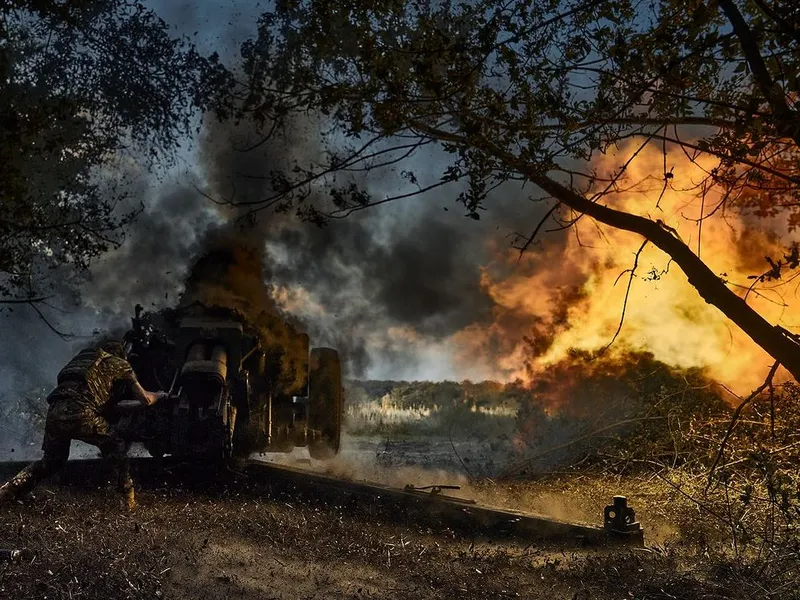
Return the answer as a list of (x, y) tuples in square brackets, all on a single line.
[(736, 159), (25, 300), (710, 287), (50, 326), (532, 236), (735, 419), (632, 272), (786, 118), (783, 26)]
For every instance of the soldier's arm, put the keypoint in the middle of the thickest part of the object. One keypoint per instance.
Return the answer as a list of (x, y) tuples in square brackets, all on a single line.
[(145, 397), (139, 393)]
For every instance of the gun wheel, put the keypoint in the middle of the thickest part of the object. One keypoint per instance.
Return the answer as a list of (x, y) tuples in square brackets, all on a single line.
[(325, 402)]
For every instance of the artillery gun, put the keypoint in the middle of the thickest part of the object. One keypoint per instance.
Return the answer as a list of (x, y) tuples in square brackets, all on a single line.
[(225, 397), (225, 401)]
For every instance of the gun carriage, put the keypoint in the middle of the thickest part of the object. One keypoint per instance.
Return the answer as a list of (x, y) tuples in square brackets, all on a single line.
[(226, 396)]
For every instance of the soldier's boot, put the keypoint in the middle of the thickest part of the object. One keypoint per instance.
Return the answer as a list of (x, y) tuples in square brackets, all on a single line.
[(23, 482), (129, 499), (125, 486), (115, 451)]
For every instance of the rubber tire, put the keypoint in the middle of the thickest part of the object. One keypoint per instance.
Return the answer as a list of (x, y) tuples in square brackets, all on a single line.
[(241, 442), (325, 402)]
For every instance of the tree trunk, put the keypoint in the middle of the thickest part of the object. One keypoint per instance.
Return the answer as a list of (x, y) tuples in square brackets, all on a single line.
[(708, 284)]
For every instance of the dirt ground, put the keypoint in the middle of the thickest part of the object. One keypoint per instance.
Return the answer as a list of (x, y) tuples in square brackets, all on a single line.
[(205, 538)]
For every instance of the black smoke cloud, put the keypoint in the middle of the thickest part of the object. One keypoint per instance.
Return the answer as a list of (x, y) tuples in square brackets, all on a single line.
[(411, 266), (150, 266), (424, 275), (415, 265)]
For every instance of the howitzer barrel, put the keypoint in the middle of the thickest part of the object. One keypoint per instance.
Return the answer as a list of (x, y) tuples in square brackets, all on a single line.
[(199, 360)]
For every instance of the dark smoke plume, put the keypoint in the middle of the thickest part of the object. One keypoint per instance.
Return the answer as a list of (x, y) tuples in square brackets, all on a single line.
[(410, 267), (414, 266)]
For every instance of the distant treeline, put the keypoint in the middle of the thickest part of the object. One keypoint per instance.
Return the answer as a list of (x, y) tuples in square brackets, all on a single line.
[(430, 394), (428, 408), (582, 409)]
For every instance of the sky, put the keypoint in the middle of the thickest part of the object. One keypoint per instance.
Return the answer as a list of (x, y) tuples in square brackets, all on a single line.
[(387, 286)]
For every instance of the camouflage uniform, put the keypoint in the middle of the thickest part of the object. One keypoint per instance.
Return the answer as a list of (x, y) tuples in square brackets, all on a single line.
[(79, 409)]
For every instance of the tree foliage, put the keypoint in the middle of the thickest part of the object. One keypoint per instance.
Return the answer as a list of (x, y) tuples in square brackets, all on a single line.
[(532, 92), (83, 86)]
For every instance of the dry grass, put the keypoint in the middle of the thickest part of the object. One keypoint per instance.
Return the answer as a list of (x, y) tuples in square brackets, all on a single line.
[(732, 535), (212, 538)]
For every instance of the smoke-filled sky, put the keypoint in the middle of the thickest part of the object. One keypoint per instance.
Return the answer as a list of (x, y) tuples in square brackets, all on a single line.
[(413, 289), (385, 286)]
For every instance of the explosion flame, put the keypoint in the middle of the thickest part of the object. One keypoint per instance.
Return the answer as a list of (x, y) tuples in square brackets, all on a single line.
[(572, 296)]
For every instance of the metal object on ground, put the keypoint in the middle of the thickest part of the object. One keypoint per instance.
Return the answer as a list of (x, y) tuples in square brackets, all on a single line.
[(451, 511), (434, 489), (619, 519), (14, 556)]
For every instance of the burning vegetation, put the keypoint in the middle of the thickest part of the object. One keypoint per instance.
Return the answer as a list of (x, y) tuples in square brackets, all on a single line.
[(599, 290)]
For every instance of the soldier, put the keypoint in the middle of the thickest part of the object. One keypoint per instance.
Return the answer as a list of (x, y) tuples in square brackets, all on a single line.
[(80, 406)]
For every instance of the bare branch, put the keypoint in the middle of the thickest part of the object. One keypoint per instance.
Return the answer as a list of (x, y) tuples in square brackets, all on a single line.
[(735, 418), (632, 272), (786, 118), (737, 159), (53, 328), (532, 236), (784, 27), (37, 300)]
